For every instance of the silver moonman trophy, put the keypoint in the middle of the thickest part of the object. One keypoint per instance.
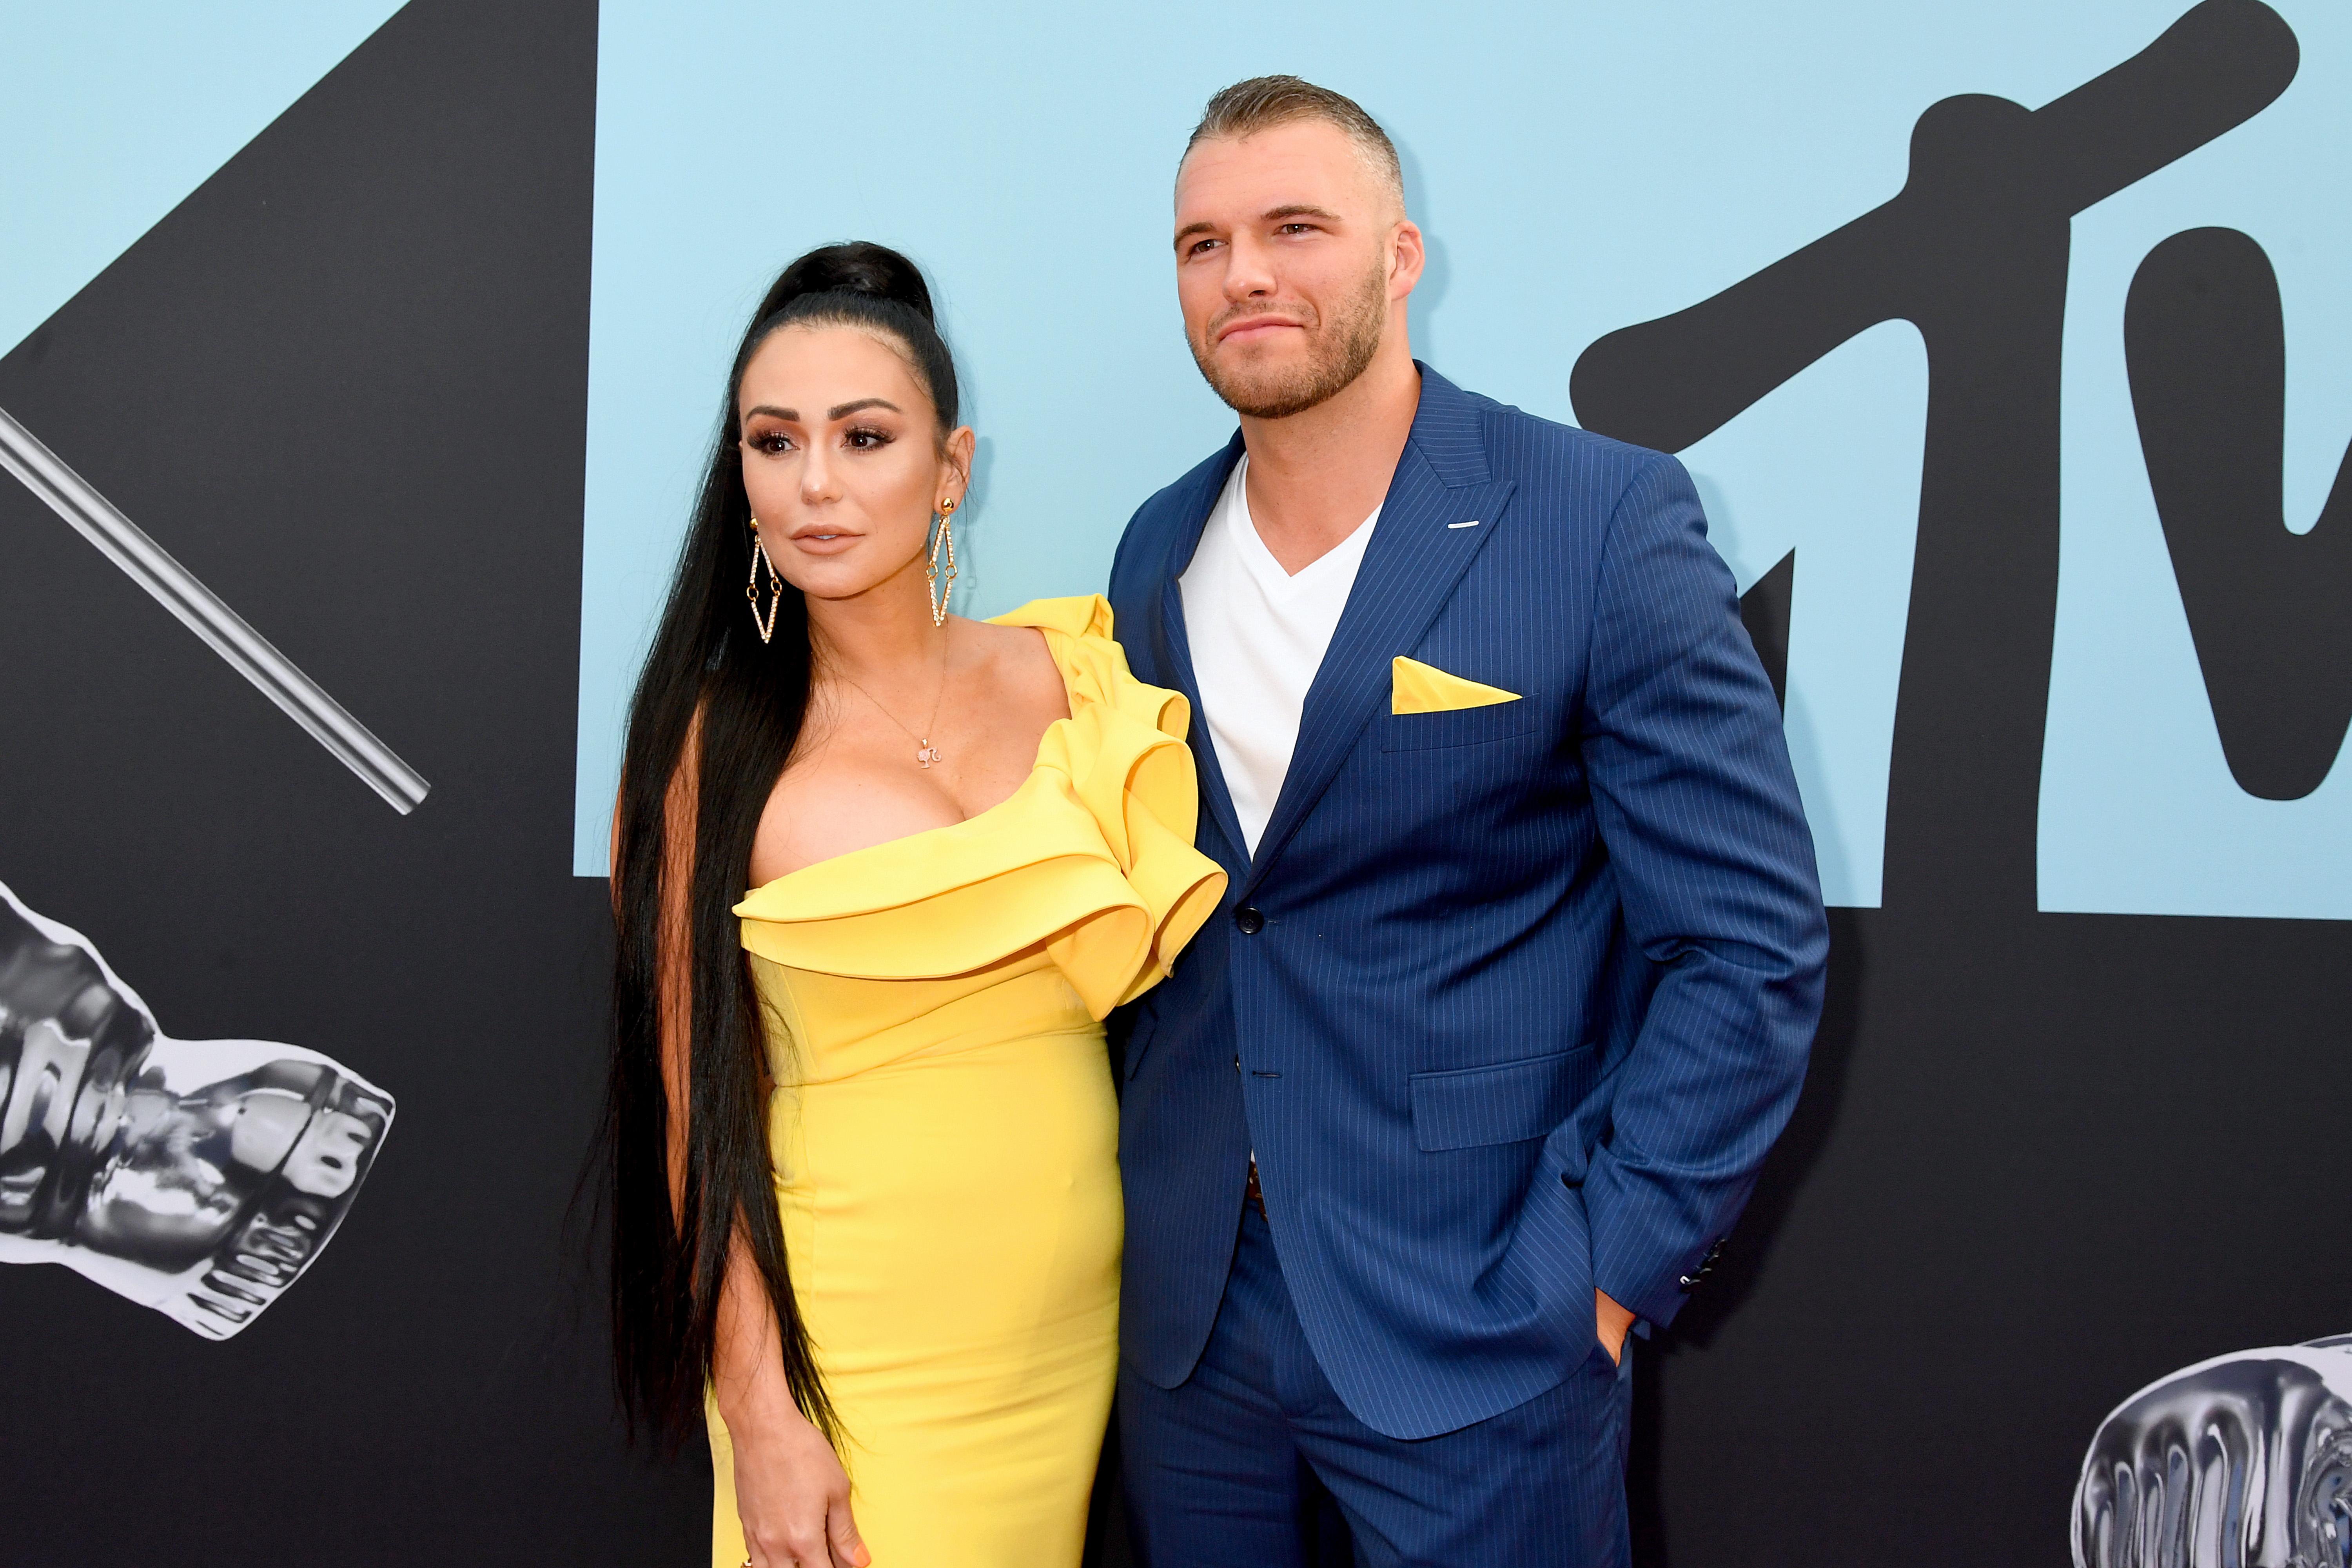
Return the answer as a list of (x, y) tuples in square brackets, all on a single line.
[(2243, 1461), (197, 1177)]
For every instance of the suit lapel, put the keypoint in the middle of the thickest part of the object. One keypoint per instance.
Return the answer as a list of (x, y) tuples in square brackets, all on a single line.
[(1171, 650), (1412, 563)]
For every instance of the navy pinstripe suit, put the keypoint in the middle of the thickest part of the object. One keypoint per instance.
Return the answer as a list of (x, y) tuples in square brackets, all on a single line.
[(1511, 1001)]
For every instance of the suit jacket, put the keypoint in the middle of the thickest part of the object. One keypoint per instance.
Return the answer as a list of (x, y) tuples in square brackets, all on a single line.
[(1513, 998)]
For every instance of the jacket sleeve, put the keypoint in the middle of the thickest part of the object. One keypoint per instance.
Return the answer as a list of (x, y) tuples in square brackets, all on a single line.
[(1125, 585), (1697, 806), (1124, 591)]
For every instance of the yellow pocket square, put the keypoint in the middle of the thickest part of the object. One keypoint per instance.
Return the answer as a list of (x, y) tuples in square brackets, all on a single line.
[(1418, 687)]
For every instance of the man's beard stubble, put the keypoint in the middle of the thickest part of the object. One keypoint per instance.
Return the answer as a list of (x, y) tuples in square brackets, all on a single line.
[(1341, 347)]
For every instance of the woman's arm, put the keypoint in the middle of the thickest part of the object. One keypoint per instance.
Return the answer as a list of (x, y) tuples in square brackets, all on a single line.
[(791, 1492)]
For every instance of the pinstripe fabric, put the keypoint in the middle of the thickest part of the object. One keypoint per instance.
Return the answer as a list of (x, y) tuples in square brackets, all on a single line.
[(1536, 981), (1213, 1468)]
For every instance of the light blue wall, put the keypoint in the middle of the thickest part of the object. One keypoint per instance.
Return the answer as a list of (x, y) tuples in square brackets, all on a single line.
[(111, 111), (1578, 167)]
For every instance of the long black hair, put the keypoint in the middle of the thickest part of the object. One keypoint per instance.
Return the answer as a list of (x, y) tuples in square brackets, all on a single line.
[(711, 681)]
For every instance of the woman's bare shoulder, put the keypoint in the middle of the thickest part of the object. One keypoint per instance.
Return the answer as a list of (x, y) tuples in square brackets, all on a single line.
[(1019, 663)]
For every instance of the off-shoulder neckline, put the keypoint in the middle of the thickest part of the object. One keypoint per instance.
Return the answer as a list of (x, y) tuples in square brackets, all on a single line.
[(1054, 638)]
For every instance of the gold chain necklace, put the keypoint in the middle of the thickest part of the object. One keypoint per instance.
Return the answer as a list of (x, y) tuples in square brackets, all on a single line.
[(925, 754)]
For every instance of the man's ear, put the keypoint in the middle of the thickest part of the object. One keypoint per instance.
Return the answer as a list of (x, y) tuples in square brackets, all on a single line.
[(1407, 257)]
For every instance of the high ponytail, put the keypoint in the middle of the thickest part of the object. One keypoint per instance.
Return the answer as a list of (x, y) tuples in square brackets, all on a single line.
[(860, 284), (741, 700)]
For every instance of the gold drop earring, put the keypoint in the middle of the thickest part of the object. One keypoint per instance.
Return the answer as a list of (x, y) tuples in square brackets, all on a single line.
[(941, 584), (766, 626)]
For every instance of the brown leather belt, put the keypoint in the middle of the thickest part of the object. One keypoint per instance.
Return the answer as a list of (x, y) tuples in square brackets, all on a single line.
[(1253, 1192)]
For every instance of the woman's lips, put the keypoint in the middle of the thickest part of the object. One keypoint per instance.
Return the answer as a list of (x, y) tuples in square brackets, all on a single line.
[(822, 542)]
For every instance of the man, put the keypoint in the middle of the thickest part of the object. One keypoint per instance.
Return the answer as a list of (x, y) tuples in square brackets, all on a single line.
[(1523, 950)]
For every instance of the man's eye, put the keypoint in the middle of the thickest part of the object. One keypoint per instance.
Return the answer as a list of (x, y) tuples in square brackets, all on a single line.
[(1200, 245)]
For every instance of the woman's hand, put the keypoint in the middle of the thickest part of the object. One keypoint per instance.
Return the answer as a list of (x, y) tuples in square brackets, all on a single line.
[(792, 1496)]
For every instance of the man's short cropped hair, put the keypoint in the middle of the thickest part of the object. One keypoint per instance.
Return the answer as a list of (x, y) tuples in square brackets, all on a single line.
[(1263, 102)]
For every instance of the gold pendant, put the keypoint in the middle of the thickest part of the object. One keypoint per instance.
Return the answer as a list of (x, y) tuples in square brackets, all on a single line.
[(928, 755)]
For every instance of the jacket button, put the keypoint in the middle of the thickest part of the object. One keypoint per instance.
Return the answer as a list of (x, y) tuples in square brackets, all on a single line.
[(1249, 919)]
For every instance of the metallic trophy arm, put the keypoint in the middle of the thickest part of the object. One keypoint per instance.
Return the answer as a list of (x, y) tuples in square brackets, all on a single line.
[(199, 1177)]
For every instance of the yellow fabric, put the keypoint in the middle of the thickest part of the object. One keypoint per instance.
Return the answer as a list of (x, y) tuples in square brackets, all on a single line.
[(945, 1136), (1418, 687)]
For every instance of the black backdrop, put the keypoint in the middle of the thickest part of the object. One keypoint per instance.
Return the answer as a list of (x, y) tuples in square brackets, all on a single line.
[(344, 382), (2041, 1159)]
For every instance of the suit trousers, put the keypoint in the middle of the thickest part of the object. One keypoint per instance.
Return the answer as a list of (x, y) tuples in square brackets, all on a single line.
[(1217, 1468)]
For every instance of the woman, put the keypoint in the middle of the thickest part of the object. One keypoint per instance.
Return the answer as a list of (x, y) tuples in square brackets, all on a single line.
[(864, 1131)]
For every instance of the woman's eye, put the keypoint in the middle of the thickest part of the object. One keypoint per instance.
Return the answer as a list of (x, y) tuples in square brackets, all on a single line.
[(865, 439), (772, 442)]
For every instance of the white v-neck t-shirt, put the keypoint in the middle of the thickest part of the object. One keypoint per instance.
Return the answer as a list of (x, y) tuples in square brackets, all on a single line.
[(1258, 636)]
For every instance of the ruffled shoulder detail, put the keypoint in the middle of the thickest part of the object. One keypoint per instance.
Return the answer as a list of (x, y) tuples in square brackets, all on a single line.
[(1092, 856), (1094, 666), (1081, 615)]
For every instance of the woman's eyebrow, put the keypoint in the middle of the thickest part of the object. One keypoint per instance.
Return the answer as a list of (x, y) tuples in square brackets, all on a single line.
[(838, 411)]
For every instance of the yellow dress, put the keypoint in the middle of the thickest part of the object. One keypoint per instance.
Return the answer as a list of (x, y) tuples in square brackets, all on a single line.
[(946, 1139)]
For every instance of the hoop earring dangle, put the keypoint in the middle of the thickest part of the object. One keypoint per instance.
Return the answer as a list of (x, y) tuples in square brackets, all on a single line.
[(766, 625), (939, 586)]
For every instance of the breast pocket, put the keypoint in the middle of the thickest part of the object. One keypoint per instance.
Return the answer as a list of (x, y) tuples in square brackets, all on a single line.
[(1507, 1102), (1459, 726)]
